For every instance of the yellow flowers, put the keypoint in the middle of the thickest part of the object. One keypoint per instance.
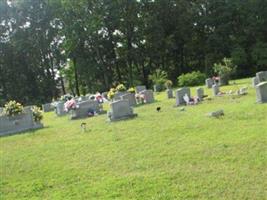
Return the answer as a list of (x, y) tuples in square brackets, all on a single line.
[(131, 90), (121, 88)]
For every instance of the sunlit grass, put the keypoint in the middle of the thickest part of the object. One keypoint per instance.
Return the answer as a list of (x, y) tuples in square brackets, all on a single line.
[(165, 155)]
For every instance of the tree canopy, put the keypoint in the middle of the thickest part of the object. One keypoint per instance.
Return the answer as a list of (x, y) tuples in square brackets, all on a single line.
[(49, 47)]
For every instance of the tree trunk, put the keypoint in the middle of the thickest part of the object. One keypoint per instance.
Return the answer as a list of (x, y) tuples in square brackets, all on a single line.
[(76, 76)]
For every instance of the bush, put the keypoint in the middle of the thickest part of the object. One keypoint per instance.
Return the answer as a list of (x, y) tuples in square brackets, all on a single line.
[(121, 88), (13, 108), (37, 114), (191, 79), (224, 70), (159, 77)]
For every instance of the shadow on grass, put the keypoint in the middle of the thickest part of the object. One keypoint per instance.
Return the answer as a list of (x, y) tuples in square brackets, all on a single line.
[(29, 131)]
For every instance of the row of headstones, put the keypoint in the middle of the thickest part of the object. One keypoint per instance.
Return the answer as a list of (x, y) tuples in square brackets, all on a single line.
[(259, 82), (123, 107), (18, 123), (180, 93)]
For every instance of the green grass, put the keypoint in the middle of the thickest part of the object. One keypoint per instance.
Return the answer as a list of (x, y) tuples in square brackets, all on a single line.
[(166, 155)]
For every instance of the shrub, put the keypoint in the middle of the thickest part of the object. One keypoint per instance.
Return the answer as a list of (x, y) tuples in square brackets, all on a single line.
[(168, 84), (224, 70), (158, 77), (37, 114), (121, 88), (13, 108), (131, 90), (191, 79)]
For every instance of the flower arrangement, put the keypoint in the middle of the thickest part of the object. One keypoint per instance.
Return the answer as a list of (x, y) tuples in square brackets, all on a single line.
[(168, 84), (131, 90), (111, 94), (121, 88), (37, 114), (13, 108)]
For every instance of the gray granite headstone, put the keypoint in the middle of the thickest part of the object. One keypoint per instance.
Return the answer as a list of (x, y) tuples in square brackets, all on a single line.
[(209, 82), (118, 95), (169, 93), (130, 97), (255, 81), (83, 108), (148, 96), (60, 110), (200, 93), (18, 123), (47, 107), (179, 95), (140, 88), (215, 89), (120, 110), (261, 92), (261, 76), (1, 110)]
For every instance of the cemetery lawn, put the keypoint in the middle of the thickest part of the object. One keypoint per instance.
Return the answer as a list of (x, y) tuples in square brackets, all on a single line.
[(165, 155)]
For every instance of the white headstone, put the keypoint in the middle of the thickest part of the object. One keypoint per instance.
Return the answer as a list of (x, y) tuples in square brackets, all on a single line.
[(179, 95), (60, 110), (261, 92)]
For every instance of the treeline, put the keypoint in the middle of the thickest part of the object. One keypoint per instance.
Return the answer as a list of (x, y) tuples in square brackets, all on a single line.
[(84, 46)]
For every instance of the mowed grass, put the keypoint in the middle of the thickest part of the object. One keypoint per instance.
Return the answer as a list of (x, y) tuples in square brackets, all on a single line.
[(165, 155)]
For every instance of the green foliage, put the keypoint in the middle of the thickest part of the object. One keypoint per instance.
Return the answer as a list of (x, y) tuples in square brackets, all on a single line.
[(159, 77), (121, 88), (13, 108), (37, 114), (191, 79), (66, 97), (225, 69)]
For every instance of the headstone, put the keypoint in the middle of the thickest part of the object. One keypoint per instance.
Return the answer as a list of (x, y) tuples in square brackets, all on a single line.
[(261, 92), (118, 95), (105, 95), (47, 107), (60, 110), (148, 96), (1, 110), (140, 88), (209, 82), (255, 81), (179, 95), (18, 123), (120, 110), (169, 93), (215, 89), (130, 97), (83, 108), (200, 93), (157, 88), (261, 76)]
